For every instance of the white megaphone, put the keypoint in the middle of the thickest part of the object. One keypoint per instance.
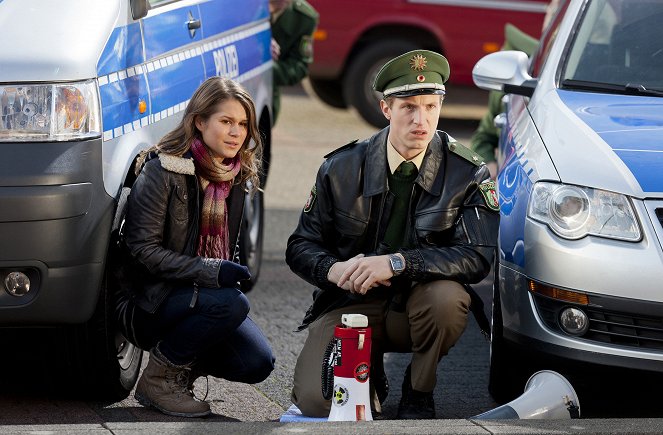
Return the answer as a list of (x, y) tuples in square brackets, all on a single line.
[(351, 359), (548, 395)]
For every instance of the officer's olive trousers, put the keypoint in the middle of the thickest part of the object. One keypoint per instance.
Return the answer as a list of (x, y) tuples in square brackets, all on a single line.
[(435, 316)]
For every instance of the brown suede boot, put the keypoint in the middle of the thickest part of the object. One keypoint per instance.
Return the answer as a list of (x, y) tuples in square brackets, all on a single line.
[(164, 386)]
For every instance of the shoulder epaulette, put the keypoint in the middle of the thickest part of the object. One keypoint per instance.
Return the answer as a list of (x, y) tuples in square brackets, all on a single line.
[(464, 152), (344, 147), (305, 8)]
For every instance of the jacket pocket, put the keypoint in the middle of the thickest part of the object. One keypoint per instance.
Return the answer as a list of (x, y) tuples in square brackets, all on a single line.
[(178, 205), (431, 225), (349, 226)]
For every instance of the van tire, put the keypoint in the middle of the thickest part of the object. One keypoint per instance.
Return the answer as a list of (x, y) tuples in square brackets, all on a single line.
[(104, 362), (251, 237), (359, 77)]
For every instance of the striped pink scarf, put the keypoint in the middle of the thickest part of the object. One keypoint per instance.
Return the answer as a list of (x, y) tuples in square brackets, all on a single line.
[(216, 180)]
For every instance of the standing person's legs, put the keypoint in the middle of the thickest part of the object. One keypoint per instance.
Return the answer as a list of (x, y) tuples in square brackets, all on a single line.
[(307, 391)]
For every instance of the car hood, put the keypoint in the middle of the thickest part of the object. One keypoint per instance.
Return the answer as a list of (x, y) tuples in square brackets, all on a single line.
[(46, 40), (607, 141)]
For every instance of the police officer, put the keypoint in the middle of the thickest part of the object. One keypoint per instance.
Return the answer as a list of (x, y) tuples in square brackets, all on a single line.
[(395, 228), (486, 137), (293, 24)]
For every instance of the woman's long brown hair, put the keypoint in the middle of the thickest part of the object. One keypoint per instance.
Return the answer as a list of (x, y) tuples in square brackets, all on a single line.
[(203, 104)]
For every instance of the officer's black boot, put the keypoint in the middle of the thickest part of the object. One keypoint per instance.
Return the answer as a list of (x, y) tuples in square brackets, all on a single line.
[(415, 405)]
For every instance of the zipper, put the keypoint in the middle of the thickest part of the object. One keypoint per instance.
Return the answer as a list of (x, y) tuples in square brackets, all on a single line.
[(239, 230), (379, 222), (194, 298)]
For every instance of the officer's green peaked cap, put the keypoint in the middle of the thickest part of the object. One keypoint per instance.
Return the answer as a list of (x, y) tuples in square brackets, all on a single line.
[(416, 72)]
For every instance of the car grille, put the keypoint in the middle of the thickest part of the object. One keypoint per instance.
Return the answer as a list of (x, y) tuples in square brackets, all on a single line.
[(607, 326)]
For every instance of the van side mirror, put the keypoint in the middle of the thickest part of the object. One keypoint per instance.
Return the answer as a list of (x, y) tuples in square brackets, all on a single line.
[(139, 8)]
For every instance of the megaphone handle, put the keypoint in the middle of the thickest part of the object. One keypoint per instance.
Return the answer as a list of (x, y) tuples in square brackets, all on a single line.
[(574, 411), (327, 376)]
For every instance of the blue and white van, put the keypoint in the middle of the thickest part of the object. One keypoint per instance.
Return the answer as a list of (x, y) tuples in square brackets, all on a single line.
[(85, 85)]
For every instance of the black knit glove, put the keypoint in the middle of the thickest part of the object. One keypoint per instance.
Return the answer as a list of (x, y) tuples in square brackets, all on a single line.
[(230, 273)]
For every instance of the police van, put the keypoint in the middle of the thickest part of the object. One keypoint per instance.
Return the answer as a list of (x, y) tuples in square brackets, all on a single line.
[(85, 85)]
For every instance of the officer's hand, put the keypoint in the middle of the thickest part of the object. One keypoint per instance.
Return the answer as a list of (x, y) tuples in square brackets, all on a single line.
[(367, 273), (230, 273), (337, 269), (275, 48)]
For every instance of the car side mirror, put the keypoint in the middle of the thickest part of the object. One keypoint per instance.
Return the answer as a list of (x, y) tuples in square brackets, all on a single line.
[(504, 71), (139, 8)]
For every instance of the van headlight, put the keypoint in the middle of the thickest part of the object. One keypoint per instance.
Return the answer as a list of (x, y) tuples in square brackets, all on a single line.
[(49, 112), (573, 212)]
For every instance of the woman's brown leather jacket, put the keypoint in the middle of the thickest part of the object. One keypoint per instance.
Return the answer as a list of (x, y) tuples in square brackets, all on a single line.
[(161, 230)]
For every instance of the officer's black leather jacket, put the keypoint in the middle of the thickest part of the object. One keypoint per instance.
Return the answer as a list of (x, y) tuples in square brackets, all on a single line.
[(161, 230), (451, 229)]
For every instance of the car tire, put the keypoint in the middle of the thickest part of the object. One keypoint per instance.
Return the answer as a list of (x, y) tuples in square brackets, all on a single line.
[(251, 237), (358, 80), (102, 361), (330, 92), (504, 376)]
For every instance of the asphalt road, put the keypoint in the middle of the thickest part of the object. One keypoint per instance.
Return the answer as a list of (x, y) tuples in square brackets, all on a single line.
[(305, 132)]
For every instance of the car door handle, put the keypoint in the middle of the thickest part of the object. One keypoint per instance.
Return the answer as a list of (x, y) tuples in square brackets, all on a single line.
[(193, 24)]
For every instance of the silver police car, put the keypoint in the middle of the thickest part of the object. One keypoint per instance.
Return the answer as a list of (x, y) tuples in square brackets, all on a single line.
[(580, 276)]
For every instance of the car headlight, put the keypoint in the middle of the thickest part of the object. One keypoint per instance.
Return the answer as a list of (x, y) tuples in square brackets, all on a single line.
[(49, 112), (573, 212)]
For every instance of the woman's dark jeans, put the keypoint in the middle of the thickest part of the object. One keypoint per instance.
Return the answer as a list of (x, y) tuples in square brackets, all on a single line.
[(216, 334)]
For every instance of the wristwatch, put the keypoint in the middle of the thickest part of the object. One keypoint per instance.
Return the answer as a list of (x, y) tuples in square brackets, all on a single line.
[(397, 263)]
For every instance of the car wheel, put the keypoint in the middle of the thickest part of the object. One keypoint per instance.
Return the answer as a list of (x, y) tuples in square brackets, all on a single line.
[(329, 91), (504, 382), (251, 237), (103, 361), (358, 81)]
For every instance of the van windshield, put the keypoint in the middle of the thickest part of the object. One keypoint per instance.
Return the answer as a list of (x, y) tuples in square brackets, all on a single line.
[(618, 43)]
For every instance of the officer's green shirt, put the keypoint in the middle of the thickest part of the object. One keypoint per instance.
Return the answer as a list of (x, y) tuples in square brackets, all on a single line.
[(293, 31)]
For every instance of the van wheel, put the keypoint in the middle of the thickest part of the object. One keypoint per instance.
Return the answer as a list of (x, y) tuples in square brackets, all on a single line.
[(359, 77), (251, 237), (504, 383), (106, 364), (329, 91)]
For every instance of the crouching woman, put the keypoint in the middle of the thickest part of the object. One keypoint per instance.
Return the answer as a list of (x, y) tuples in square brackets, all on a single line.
[(182, 224)]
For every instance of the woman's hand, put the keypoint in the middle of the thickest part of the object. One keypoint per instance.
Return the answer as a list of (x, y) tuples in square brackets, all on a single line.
[(230, 273)]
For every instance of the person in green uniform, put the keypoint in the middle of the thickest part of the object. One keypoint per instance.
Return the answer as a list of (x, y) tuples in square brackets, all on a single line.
[(293, 24), (486, 137), (396, 228)]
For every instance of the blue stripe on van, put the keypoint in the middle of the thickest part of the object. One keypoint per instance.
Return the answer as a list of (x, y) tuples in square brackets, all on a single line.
[(173, 79), (168, 31), (118, 110), (220, 61), (175, 84), (631, 125), (223, 15), (123, 49)]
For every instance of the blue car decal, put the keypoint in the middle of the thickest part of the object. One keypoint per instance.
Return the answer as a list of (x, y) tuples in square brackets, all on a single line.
[(631, 125)]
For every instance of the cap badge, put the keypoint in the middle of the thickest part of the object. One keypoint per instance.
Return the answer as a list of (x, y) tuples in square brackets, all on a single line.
[(421, 78), (418, 62)]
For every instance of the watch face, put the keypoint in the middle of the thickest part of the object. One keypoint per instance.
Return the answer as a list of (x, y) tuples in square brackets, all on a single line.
[(396, 263)]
